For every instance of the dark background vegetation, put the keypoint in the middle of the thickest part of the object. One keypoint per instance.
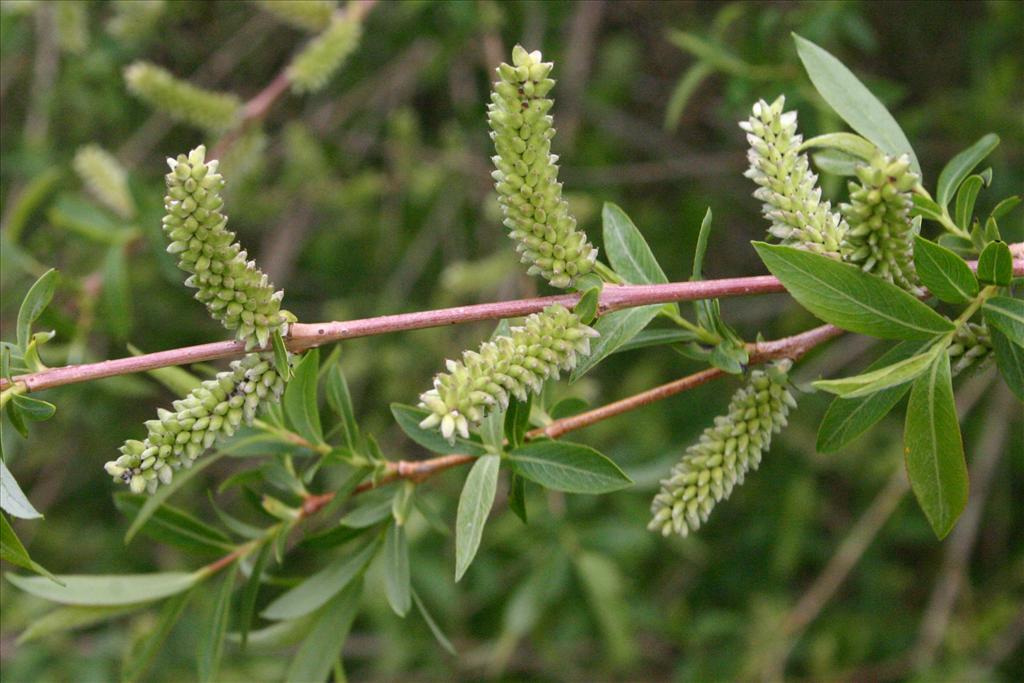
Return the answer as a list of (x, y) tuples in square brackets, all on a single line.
[(374, 197)]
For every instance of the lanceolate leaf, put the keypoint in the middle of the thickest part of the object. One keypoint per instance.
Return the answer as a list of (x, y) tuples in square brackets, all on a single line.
[(627, 249), (300, 405), (211, 637), (883, 378), (154, 501), (12, 500), (1007, 316), (848, 143), (944, 273), (568, 467), (844, 295), (37, 299), (33, 408), (71, 618), (848, 418), (1010, 359), (616, 328), (960, 166), (933, 448), (322, 647), (11, 550), (995, 265), (853, 102), (409, 418), (439, 635), (247, 600), (396, 570), (340, 401), (474, 507), (115, 589), (142, 656), (174, 526)]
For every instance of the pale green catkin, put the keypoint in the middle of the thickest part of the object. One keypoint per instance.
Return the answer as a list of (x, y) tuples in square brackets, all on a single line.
[(788, 188), (880, 238), (319, 60), (181, 100), (726, 451), (134, 20), (971, 347), (526, 178), (72, 20), (105, 179), (215, 408), (234, 290), (514, 365), (308, 15)]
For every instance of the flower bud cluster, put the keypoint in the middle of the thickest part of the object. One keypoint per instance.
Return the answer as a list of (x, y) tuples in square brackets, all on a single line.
[(234, 290), (880, 238), (788, 188), (308, 15), (971, 346), (313, 67), (514, 365), (181, 100), (177, 437), (105, 179), (527, 176), (726, 451)]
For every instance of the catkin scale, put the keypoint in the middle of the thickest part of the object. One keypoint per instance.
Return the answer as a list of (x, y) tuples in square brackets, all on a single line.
[(725, 452)]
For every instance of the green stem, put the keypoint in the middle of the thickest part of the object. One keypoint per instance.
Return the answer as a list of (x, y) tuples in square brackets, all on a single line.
[(945, 220), (607, 274)]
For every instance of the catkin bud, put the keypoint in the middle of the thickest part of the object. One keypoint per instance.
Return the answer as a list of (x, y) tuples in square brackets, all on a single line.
[(971, 347), (726, 451), (880, 238), (234, 290), (181, 100), (792, 200), (308, 15), (216, 407), (105, 179), (527, 175), (514, 365), (321, 58)]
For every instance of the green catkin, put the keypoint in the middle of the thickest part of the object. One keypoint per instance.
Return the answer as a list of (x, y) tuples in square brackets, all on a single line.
[(105, 179), (135, 20), (526, 175), (726, 451), (181, 100), (513, 365), (217, 407), (880, 238), (72, 21), (308, 15), (234, 290), (788, 188), (971, 347), (321, 58)]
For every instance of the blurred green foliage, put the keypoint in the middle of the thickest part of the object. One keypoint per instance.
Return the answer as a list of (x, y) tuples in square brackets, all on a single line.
[(374, 197)]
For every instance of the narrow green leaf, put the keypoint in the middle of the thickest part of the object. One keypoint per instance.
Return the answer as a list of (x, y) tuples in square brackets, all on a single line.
[(180, 381), (141, 657), (648, 338), (396, 570), (960, 166), (322, 647), (627, 249), (681, 94), (1010, 359), (965, 198), (848, 418), (281, 364), (251, 590), (439, 635), (12, 500), (116, 297), (926, 208), (701, 249), (152, 502), (38, 298), (995, 265), (933, 449), (33, 408), (616, 328), (409, 418), (374, 507), (944, 273), (517, 496), (319, 588), (834, 162), (853, 102), (1005, 206), (961, 246), (883, 378), (605, 588), (848, 143), (1007, 316), (174, 526), (586, 307), (569, 467), (846, 296), (340, 401), (114, 589), (517, 420), (65, 619), (211, 634), (300, 405), (12, 550), (474, 507), (568, 406)]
